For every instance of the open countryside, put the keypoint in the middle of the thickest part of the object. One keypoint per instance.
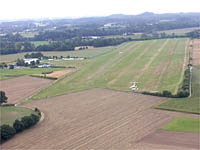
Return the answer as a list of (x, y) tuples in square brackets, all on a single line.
[(100, 83), (156, 65)]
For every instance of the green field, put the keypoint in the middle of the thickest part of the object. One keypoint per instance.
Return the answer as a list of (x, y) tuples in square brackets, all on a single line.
[(10, 73), (37, 43), (29, 34), (192, 104), (8, 114), (183, 125), (90, 53), (155, 64)]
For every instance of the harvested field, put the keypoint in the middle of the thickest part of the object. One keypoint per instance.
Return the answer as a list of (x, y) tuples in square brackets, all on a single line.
[(196, 52), (92, 119), (58, 74), (180, 31), (20, 88), (170, 138)]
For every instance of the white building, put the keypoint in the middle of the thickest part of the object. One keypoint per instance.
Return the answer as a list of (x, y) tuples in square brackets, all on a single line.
[(29, 60)]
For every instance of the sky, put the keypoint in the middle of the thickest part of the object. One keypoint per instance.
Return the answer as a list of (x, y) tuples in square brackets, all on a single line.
[(24, 9)]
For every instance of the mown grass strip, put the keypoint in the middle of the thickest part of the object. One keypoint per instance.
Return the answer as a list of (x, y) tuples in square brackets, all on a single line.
[(183, 125)]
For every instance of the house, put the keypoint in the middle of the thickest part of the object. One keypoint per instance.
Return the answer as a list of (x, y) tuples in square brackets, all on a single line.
[(29, 60)]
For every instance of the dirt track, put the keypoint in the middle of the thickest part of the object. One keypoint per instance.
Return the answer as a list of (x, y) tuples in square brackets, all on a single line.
[(20, 88), (93, 119)]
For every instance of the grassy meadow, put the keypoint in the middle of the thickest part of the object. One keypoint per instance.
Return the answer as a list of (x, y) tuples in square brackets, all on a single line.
[(155, 64), (37, 43), (183, 125), (29, 34), (8, 114), (10, 73), (89, 53), (190, 105)]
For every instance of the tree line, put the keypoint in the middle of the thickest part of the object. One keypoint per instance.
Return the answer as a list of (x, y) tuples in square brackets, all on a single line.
[(11, 47), (7, 131)]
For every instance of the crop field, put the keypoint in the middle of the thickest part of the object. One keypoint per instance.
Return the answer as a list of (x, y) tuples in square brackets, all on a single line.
[(156, 65), (9, 114), (169, 140), (179, 31), (93, 119), (21, 88), (196, 53), (89, 53)]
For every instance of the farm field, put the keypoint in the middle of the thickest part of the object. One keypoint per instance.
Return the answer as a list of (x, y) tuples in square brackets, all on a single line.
[(29, 34), (11, 73), (8, 114), (156, 64), (93, 119), (169, 140), (37, 43), (179, 31), (196, 53), (21, 88), (93, 52), (191, 104), (57, 74)]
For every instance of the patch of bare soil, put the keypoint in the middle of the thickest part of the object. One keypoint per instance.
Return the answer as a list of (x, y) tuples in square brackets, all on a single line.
[(21, 88), (58, 74), (178, 140)]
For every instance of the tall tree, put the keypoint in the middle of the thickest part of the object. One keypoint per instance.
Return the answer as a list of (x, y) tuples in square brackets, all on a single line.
[(3, 97)]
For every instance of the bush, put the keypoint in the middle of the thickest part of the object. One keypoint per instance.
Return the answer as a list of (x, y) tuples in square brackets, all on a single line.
[(18, 126), (163, 94), (183, 93), (27, 121), (36, 109), (167, 94), (35, 118), (6, 132)]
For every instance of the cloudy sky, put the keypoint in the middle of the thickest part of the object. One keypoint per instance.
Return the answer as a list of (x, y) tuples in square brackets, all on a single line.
[(21, 9)]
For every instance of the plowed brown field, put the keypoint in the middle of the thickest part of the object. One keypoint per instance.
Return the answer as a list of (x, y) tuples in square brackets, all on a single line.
[(173, 139), (21, 88), (196, 52), (93, 119)]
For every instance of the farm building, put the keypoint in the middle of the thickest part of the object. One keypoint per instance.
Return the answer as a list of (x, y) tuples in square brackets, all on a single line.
[(28, 61)]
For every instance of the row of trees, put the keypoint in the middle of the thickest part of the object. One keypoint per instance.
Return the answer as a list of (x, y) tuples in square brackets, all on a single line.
[(67, 45), (9, 47), (26, 122), (7, 131)]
